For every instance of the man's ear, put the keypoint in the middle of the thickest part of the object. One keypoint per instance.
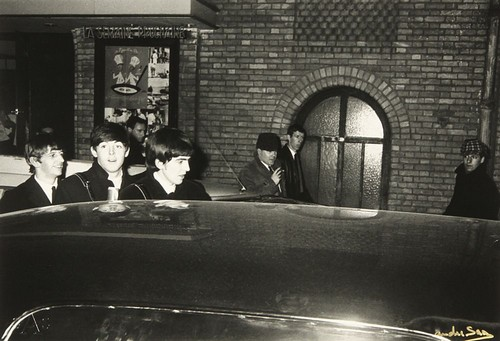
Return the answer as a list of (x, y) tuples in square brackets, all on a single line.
[(127, 152), (34, 162), (159, 164), (482, 159), (94, 153)]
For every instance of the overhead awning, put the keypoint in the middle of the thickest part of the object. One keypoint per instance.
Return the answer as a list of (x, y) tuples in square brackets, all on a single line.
[(64, 15)]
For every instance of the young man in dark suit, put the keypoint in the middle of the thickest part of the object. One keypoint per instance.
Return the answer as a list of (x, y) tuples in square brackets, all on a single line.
[(289, 156), (136, 128), (103, 180), (168, 151), (46, 162)]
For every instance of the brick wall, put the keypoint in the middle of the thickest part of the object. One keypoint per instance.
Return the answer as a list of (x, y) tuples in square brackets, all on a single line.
[(423, 61), (84, 93)]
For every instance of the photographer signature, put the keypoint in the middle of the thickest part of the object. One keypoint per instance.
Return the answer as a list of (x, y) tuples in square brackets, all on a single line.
[(470, 334)]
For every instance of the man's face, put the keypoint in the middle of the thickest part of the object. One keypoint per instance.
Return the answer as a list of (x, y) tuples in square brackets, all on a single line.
[(296, 140), (267, 156), (472, 161), (139, 132), (50, 164), (110, 155), (174, 170)]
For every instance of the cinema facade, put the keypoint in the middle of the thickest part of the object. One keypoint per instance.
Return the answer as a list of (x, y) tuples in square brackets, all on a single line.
[(386, 89)]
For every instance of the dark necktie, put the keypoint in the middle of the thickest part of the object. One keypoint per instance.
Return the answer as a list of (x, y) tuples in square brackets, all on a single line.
[(299, 173), (53, 194)]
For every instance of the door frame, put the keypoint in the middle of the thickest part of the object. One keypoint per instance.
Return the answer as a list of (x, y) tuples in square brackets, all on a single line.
[(344, 92)]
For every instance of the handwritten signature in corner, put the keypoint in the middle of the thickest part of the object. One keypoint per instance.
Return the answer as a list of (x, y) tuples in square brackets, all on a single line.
[(470, 334)]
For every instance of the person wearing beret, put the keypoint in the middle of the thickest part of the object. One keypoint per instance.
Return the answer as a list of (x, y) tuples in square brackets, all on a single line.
[(264, 175), (475, 194)]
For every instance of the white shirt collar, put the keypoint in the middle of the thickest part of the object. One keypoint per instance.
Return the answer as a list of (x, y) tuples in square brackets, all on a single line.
[(292, 151), (46, 187), (266, 165), (116, 180), (167, 186)]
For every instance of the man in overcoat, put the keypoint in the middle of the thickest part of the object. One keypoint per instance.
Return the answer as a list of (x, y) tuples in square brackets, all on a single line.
[(264, 174)]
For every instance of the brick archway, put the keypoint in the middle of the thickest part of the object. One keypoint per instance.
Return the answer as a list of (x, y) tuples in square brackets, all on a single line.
[(298, 94)]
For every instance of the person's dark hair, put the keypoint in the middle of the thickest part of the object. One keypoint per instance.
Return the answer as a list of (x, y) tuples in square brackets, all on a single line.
[(109, 131), (37, 146), (133, 120), (165, 144), (295, 127)]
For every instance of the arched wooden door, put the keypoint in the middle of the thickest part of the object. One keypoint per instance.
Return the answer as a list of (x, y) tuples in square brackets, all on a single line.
[(345, 156)]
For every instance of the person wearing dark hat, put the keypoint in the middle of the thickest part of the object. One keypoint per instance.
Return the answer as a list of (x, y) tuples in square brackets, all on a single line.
[(475, 194), (264, 175)]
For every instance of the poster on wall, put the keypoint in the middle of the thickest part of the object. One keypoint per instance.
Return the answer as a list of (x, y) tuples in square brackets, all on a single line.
[(137, 84)]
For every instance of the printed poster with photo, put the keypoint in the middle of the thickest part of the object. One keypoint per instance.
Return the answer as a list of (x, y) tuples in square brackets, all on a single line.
[(126, 76), (137, 84)]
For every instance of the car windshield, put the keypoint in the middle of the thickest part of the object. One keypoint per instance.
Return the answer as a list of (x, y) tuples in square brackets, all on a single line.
[(430, 273)]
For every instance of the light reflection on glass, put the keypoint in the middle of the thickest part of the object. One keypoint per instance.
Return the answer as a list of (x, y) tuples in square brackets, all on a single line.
[(362, 120)]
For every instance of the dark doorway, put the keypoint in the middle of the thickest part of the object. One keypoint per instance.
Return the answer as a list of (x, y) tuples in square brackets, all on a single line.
[(46, 84)]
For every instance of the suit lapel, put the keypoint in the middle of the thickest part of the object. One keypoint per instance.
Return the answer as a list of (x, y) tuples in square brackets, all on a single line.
[(36, 195)]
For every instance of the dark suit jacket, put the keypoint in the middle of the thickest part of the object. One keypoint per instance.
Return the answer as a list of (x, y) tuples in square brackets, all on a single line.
[(72, 189), (294, 177), (257, 179), (149, 188), (475, 195), (29, 194)]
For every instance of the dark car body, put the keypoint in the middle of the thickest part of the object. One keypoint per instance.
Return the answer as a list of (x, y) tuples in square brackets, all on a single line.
[(429, 273)]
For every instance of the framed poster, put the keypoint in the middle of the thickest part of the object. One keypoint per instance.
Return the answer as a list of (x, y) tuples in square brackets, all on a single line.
[(137, 78)]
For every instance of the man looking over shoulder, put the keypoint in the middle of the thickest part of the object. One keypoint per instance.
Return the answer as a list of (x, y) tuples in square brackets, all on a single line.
[(109, 147), (46, 162), (264, 175), (475, 194), (168, 151), (289, 156), (136, 128)]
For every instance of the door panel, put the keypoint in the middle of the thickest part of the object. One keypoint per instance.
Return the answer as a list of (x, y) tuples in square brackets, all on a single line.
[(344, 149), (362, 120), (372, 175), (351, 180), (310, 157), (324, 119), (328, 173)]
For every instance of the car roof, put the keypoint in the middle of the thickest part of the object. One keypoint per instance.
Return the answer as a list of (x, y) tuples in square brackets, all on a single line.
[(390, 268)]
